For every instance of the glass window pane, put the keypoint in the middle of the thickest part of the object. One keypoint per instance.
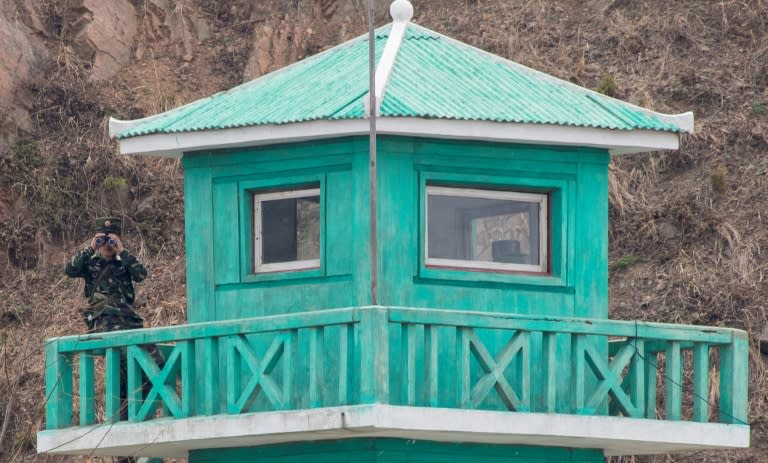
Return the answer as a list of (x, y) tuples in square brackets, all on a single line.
[(308, 228), (492, 229), (290, 229)]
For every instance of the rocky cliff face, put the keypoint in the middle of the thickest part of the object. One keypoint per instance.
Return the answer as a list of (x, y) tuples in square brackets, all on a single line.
[(21, 58), (688, 234)]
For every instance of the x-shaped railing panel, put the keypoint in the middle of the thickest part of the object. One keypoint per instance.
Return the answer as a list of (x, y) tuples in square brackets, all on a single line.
[(240, 351), (470, 345), (160, 387), (609, 377)]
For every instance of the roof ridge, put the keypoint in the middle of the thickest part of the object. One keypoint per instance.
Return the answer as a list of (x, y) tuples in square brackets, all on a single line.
[(602, 104), (348, 104), (387, 60)]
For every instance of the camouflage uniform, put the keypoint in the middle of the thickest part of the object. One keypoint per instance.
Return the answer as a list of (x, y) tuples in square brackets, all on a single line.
[(108, 289), (110, 294)]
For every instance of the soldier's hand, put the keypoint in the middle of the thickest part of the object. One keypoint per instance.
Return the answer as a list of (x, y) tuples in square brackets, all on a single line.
[(93, 241), (118, 244)]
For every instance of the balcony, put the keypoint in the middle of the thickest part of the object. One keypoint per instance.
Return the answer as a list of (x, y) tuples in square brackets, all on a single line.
[(622, 387)]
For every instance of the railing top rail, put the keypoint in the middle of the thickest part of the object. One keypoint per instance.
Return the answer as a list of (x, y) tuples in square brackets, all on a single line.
[(79, 343), (623, 328), (442, 317)]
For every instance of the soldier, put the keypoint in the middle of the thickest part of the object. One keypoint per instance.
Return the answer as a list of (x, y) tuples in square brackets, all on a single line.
[(109, 272)]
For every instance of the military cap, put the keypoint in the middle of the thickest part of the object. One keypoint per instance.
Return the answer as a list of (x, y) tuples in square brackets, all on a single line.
[(109, 225)]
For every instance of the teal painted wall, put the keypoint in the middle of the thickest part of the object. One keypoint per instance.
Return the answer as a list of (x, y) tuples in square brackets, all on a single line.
[(393, 450), (218, 186), (576, 180), (218, 215)]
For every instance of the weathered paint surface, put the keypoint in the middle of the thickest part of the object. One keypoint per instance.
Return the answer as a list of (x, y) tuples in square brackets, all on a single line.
[(219, 221), (223, 286), (576, 180), (393, 450), (218, 186)]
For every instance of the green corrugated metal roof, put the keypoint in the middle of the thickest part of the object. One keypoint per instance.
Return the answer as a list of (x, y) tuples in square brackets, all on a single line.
[(433, 77)]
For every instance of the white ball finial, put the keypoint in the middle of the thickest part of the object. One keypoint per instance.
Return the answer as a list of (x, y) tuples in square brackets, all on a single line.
[(401, 10)]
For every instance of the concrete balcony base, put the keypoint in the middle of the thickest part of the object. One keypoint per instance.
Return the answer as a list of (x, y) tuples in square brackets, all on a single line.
[(169, 437)]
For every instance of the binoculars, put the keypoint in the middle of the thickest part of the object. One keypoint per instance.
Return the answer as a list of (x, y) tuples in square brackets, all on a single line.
[(102, 240)]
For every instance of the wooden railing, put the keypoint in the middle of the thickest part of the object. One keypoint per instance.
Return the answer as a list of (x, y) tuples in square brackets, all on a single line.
[(402, 356)]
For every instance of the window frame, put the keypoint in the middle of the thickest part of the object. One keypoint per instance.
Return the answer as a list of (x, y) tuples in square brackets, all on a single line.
[(476, 191), (258, 197)]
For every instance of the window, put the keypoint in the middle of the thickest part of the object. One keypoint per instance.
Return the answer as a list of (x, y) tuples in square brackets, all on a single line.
[(286, 230), (486, 229)]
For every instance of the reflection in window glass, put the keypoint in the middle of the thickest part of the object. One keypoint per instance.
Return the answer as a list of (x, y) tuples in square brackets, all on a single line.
[(486, 229), (287, 230)]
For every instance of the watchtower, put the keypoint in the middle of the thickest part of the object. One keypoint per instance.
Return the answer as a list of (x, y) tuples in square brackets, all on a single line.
[(469, 321)]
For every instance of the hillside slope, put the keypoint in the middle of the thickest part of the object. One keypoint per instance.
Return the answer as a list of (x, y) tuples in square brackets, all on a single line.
[(689, 242)]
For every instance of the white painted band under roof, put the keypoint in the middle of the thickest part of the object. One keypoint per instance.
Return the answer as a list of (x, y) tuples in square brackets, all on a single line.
[(615, 141), (176, 437)]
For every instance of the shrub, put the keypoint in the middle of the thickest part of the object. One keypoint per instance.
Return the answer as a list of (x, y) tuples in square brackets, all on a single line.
[(625, 261), (717, 179), (759, 109), (608, 86)]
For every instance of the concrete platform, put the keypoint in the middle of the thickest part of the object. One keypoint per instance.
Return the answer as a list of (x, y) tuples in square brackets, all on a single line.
[(176, 437)]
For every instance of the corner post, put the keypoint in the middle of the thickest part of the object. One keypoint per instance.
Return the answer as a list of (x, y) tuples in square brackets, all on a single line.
[(734, 380), (374, 346), (58, 387)]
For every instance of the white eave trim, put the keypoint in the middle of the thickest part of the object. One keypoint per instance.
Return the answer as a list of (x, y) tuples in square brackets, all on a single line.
[(616, 141), (174, 438), (117, 126), (684, 121)]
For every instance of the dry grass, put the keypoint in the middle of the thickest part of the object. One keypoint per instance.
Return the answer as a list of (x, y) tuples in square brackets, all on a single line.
[(693, 221)]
